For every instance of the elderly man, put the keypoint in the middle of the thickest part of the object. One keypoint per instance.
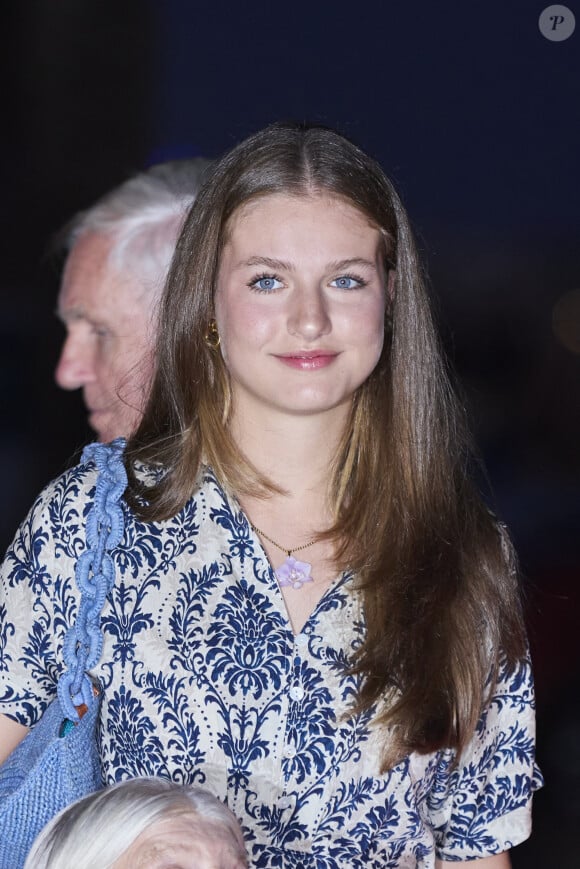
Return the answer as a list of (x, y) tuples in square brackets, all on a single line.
[(119, 252)]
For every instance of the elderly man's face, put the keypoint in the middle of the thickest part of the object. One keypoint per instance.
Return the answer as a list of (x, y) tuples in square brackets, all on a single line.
[(107, 351)]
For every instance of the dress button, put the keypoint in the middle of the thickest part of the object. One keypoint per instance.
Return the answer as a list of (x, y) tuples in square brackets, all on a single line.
[(296, 692), (290, 751), (301, 640), (284, 803)]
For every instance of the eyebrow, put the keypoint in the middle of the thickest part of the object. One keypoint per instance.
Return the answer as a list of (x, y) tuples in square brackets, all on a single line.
[(281, 265), (338, 265), (267, 261), (71, 315)]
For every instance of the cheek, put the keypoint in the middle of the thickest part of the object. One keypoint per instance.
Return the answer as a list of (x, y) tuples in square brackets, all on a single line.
[(367, 327), (113, 371), (368, 335), (108, 366), (376, 321), (243, 327)]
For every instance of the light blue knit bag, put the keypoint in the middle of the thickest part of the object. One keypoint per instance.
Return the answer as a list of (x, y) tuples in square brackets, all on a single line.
[(58, 763)]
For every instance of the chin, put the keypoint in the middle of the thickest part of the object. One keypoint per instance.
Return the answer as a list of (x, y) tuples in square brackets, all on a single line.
[(321, 403)]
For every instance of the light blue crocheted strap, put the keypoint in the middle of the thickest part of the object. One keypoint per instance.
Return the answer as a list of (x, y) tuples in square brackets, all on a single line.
[(95, 575)]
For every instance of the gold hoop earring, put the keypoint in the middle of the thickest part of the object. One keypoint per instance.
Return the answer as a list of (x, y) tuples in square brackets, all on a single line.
[(212, 336)]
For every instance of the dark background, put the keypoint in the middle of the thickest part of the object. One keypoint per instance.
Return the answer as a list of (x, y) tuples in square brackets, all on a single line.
[(473, 113)]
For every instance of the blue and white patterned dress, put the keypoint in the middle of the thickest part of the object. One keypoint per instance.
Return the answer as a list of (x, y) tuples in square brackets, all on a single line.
[(205, 682)]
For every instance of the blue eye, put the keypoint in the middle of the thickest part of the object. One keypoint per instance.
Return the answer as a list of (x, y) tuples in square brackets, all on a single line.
[(265, 284), (347, 282)]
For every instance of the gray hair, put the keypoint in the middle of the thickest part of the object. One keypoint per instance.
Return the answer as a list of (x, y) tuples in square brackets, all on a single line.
[(98, 829), (143, 217)]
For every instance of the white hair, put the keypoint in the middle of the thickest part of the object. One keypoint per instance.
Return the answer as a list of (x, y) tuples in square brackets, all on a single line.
[(143, 217), (97, 830)]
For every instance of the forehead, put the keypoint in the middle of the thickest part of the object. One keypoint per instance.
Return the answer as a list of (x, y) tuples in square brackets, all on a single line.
[(91, 284), (305, 219), (184, 841)]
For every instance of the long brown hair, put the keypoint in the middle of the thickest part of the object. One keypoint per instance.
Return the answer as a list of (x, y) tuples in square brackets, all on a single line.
[(439, 590)]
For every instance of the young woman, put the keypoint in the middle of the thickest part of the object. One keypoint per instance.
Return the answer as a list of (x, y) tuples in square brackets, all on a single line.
[(315, 615)]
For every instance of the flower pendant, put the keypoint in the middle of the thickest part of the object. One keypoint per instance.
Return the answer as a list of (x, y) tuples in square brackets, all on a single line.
[(293, 573)]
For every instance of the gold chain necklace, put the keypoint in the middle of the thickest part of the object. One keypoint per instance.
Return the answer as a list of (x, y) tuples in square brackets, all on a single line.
[(292, 573)]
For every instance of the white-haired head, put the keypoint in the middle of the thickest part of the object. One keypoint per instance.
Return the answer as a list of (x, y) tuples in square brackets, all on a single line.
[(97, 831), (143, 217)]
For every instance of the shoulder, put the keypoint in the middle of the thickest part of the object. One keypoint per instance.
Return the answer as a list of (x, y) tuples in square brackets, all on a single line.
[(61, 505), (55, 525), (73, 492)]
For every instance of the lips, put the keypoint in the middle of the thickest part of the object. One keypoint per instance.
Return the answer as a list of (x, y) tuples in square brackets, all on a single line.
[(308, 360)]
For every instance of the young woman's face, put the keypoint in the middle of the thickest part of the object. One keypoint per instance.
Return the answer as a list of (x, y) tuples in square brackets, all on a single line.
[(300, 304)]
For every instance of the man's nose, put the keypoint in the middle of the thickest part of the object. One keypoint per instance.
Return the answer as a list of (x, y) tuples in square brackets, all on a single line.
[(75, 366), (308, 316)]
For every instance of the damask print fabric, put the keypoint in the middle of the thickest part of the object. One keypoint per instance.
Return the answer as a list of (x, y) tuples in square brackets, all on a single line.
[(204, 681)]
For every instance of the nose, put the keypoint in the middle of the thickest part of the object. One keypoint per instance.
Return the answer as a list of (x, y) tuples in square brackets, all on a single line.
[(308, 316), (75, 366)]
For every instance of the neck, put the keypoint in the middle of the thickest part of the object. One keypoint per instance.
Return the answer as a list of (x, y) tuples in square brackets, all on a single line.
[(295, 452)]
